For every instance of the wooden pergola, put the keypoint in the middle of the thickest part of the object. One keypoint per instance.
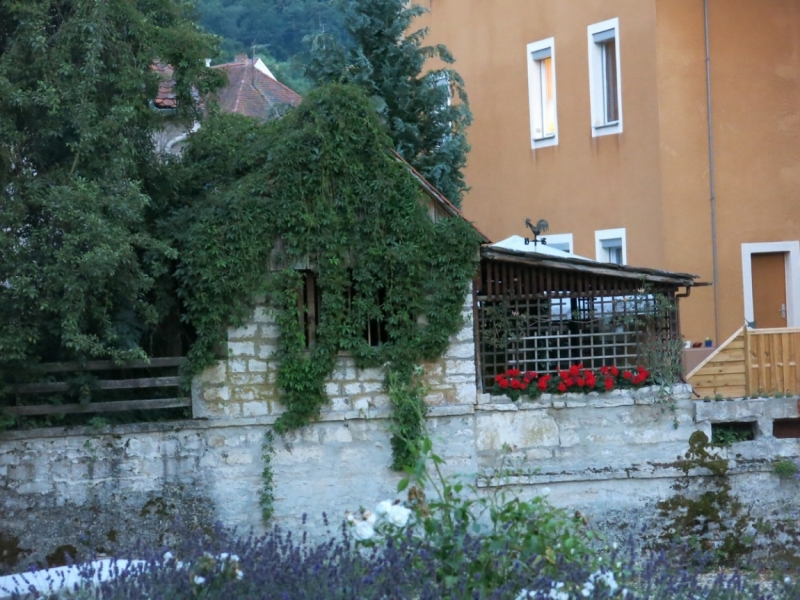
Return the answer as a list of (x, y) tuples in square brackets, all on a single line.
[(543, 313)]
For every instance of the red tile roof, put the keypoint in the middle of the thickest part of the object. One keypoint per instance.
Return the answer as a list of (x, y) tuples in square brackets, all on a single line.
[(166, 84), (249, 91), (252, 92)]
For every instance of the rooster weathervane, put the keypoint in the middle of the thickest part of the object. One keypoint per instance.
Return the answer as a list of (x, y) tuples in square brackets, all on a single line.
[(538, 229)]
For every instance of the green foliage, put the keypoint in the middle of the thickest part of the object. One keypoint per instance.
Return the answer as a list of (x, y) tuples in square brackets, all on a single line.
[(725, 434), (290, 73), (266, 497), (78, 261), (512, 533), (385, 57), (704, 510), (324, 182), (408, 415), (785, 468), (278, 25)]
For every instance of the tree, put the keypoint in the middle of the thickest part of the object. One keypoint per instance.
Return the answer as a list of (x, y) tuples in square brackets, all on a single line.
[(79, 263), (384, 57), (277, 25)]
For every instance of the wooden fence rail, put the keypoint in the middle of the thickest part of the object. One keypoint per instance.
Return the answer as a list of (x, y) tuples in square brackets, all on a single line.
[(772, 361), (107, 385), (752, 362)]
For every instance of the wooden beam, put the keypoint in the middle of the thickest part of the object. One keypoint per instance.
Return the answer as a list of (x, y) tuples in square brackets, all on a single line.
[(108, 384), (92, 407), (108, 365), (678, 279)]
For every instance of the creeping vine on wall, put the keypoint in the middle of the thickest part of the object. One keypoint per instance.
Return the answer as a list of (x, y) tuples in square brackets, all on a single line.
[(320, 190)]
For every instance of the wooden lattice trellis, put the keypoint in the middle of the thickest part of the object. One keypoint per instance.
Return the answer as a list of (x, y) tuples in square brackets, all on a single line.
[(547, 314)]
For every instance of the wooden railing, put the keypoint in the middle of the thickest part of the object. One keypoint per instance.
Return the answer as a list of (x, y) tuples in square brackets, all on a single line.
[(772, 361), (752, 362), (136, 386)]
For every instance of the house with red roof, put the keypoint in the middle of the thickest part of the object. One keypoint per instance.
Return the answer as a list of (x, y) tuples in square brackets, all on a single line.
[(252, 90)]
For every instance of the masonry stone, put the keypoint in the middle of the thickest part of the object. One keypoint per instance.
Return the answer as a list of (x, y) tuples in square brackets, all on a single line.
[(241, 333), (611, 456), (241, 348)]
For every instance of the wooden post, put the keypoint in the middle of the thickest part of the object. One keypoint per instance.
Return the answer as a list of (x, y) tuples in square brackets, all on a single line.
[(748, 362)]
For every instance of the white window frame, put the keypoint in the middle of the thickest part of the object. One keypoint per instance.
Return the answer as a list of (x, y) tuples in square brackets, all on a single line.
[(536, 93), (602, 235), (600, 126), (792, 251), (560, 238)]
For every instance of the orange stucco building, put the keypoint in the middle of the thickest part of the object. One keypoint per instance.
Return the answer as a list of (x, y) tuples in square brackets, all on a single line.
[(594, 114)]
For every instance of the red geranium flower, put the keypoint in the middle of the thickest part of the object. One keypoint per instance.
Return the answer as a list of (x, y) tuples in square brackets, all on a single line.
[(609, 383), (562, 387), (503, 383), (614, 371), (573, 370), (523, 386), (627, 374), (604, 370), (563, 374), (581, 382), (542, 384), (499, 378), (513, 373), (569, 381), (516, 384)]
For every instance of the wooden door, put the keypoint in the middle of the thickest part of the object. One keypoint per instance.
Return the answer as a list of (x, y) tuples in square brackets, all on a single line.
[(769, 289)]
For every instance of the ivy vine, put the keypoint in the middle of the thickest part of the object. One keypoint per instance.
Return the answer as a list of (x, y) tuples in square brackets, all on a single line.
[(320, 191)]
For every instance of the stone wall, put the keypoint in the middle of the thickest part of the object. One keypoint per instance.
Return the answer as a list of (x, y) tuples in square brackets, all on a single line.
[(611, 456), (244, 384)]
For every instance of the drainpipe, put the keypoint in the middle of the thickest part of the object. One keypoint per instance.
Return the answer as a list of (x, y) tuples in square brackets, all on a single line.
[(711, 178)]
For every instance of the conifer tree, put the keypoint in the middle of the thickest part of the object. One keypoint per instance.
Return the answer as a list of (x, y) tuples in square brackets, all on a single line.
[(425, 109)]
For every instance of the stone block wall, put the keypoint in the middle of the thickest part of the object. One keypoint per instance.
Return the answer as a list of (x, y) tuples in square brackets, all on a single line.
[(610, 456), (243, 385)]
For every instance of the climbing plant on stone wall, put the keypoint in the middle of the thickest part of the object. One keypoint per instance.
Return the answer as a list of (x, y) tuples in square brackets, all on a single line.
[(260, 206)]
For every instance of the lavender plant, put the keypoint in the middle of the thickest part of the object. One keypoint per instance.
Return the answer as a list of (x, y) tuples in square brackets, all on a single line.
[(281, 565)]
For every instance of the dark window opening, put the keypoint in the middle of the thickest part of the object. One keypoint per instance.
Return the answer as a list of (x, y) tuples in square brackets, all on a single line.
[(786, 428), (376, 332), (310, 303), (725, 434)]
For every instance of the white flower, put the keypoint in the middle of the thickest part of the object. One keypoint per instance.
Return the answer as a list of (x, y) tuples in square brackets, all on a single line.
[(398, 515), (545, 492), (383, 508), (351, 518), (199, 580), (239, 574), (370, 517), (224, 556), (234, 558), (168, 556), (787, 580), (553, 594), (363, 531), (607, 579)]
